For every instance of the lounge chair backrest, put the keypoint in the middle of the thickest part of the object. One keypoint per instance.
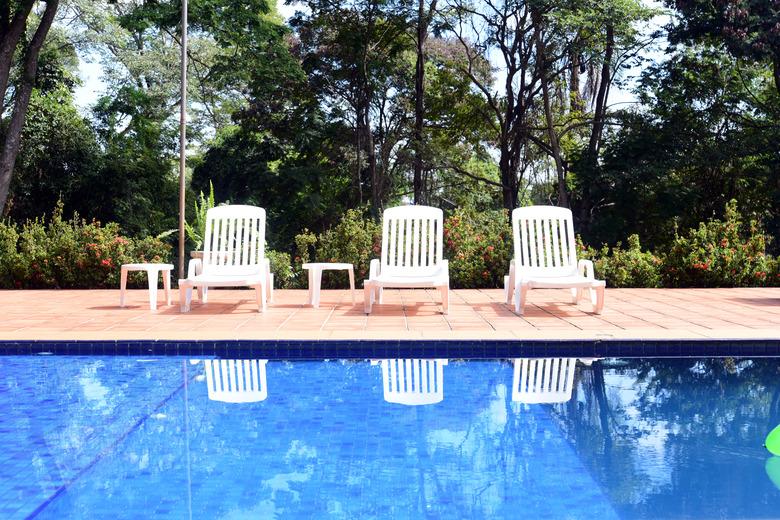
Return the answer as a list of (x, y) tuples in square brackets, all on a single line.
[(412, 240), (236, 380), (235, 240), (543, 380), (413, 381), (544, 241)]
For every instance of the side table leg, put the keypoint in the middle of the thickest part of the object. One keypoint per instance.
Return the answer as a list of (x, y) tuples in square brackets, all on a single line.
[(152, 275), (122, 286), (352, 284), (310, 272), (316, 288), (166, 276)]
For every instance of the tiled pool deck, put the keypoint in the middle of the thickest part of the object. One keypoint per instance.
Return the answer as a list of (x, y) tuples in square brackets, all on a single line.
[(630, 314)]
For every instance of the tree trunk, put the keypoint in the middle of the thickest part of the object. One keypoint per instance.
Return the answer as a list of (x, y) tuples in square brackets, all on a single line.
[(508, 191), (13, 134), (541, 57), (600, 110), (423, 20), (599, 114), (575, 99), (10, 35), (373, 173)]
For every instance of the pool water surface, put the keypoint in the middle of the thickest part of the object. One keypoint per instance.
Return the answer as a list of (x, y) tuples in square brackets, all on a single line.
[(129, 437)]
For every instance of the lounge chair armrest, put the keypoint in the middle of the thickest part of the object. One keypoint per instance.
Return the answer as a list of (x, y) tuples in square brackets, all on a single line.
[(585, 268), (445, 268), (373, 269), (194, 268)]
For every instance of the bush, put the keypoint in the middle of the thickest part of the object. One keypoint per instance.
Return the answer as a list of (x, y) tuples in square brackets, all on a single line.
[(71, 253), (630, 267), (281, 268), (479, 248), (354, 240), (727, 253)]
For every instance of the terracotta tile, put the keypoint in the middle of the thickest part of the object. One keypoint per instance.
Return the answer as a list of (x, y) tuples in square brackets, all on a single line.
[(405, 314)]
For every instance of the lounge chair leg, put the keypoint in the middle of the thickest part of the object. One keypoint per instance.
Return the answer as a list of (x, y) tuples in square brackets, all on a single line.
[(185, 296), (576, 294), (270, 294), (509, 283), (599, 299), (204, 294), (368, 296), (445, 298), (521, 292), (381, 292), (260, 296)]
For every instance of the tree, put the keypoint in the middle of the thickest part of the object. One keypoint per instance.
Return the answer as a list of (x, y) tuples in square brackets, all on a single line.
[(59, 160), (12, 28), (704, 138), (749, 29), (425, 15), (352, 53), (504, 30), (539, 44)]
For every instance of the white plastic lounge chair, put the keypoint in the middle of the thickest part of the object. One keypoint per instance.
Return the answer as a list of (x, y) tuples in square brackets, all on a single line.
[(412, 382), (236, 380), (233, 256), (412, 254), (543, 380), (546, 257)]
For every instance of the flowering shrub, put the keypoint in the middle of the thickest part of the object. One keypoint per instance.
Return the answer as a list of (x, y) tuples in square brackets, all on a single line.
[(620, 267), (727, 253), (353, 239), (71, 253), (79, 254), (479, 248)]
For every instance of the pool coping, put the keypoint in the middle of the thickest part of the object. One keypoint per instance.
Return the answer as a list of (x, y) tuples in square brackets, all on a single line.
[(394, 348)]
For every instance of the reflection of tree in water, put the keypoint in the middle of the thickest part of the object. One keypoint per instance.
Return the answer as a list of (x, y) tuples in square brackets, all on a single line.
[(655, 428)]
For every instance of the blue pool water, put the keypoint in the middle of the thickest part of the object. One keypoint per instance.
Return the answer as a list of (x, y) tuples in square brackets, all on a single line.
[(125, 437)]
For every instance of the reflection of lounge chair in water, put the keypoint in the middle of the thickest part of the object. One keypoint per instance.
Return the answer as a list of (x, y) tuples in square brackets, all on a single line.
[(236, 380), (543, 380), (412, 381)]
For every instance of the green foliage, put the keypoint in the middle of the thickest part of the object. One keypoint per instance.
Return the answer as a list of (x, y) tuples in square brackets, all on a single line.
[(196, 231), (747, 28), (59, 253), (478, 247), (281, 268), (59, 158), (705, 136), (620, 267), (720, 253), (354, 239), (137, 185)]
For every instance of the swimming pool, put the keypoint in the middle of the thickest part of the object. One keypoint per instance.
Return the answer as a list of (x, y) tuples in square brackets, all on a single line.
[(131, 437)]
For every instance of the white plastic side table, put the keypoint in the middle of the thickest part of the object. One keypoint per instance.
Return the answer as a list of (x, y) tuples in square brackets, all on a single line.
[(152, 271), (315, 279)]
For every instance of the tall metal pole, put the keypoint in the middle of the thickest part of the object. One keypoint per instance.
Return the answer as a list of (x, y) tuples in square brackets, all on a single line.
[(182, 135)]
